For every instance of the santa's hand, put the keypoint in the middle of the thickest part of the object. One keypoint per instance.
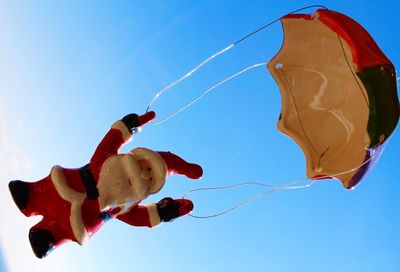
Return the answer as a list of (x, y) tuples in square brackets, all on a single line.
[(134, 122), (169, 209)]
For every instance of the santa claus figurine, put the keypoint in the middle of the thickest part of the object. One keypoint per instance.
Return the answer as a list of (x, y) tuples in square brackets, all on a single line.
[(75, 203)]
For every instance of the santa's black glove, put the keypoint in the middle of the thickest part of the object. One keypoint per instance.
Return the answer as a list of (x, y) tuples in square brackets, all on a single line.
[(133, 121), (168, 209)]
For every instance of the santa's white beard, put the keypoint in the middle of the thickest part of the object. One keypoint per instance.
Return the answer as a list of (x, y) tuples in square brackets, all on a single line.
[(116, 196), (120, 183)]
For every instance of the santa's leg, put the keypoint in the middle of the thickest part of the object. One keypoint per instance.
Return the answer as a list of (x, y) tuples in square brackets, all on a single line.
[(41, 198), (45, 236), (34, 198)]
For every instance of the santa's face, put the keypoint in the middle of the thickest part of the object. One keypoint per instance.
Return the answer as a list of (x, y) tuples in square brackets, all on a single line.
[(153, 168), (146, 172)]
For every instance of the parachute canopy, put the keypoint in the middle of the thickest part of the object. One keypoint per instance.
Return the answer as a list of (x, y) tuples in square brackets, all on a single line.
[(339, 94)]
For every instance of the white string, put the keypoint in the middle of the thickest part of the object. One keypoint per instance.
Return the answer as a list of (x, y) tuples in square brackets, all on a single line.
[(273, 189), (195, 69), (209, 90)]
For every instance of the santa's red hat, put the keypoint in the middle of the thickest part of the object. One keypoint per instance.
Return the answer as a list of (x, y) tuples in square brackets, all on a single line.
[(176, 165)]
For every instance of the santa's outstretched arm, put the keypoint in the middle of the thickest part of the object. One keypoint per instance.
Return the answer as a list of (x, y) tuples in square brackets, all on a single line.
[(120, 133), (151, 215)]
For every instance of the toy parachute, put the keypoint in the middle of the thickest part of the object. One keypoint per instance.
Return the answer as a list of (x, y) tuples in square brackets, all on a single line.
[(338, 89), (339, 94)]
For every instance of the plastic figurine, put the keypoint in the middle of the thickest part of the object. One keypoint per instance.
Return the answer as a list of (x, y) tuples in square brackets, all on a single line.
[(75, 203)]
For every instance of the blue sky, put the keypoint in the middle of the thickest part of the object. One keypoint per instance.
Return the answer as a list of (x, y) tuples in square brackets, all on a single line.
[(69, 69)]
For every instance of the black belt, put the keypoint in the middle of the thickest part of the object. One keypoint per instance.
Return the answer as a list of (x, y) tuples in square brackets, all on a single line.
[(89, 182)]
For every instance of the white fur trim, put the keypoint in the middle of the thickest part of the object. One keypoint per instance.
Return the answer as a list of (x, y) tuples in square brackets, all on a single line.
[(153, 214), (126, 134), (120, 182), (75, 198)]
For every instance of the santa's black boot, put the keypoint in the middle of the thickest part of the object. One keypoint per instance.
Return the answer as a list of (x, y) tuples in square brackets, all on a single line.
[(20, 193), (42, 242)]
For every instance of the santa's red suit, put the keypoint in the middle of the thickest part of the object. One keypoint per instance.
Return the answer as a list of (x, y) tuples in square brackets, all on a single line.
[(75, 203)]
